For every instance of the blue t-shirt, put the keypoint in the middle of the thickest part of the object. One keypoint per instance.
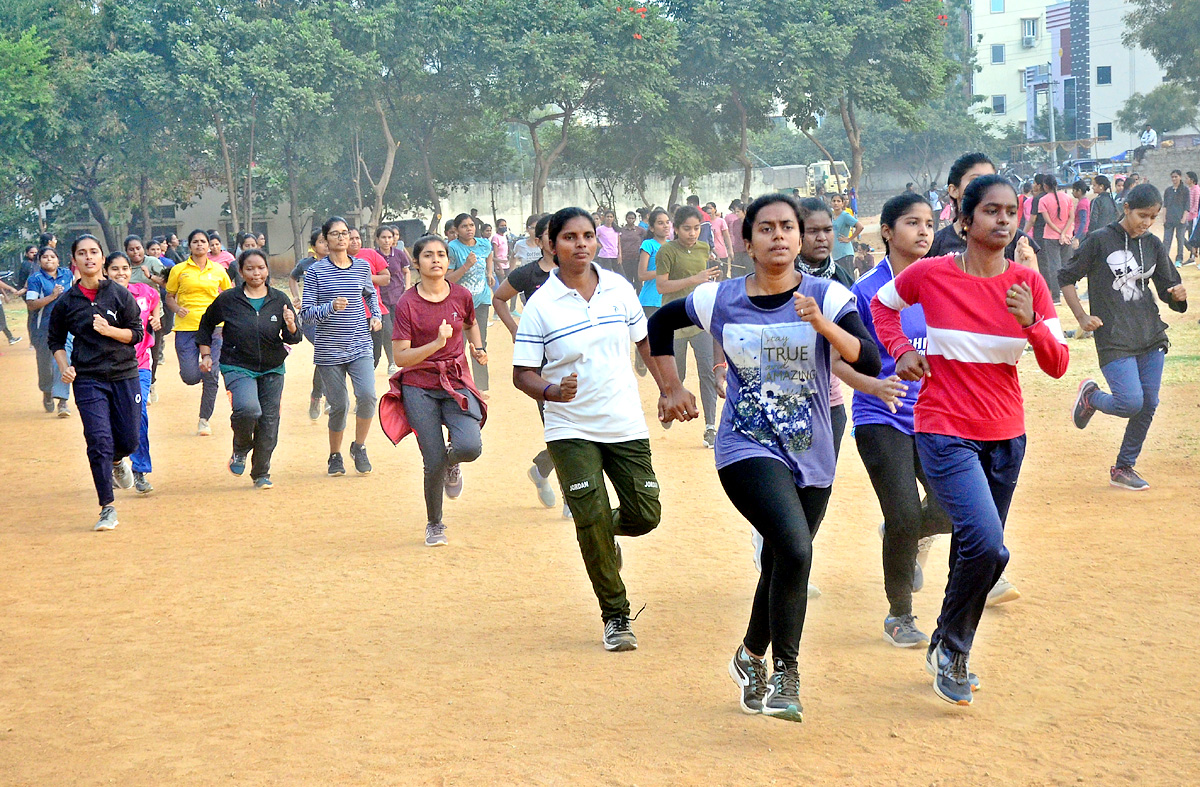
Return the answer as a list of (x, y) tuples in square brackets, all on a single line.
[(38, 286), (777, 400), (475, 280), (843, 225), (868, 409), (649, 295)]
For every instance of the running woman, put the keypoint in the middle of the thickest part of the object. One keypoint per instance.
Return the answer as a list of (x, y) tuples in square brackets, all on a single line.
[(1120, 261), (333, 288), (436, 390), (609, 255), (525, 281), (317, 250), (192, 286), (778, 328), (119, 268), (572, 352), (42, 289), (259, 323), (471, 265), (981, 310), (107, 325), (680, 267), (883, 424), (648, 295), (399, 264), (380, 276)]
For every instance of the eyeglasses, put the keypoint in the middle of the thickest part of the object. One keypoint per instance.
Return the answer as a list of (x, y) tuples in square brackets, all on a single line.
[(338, 234)]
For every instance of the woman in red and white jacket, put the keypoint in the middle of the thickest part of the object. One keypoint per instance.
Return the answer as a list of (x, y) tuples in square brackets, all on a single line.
[(980, 311)]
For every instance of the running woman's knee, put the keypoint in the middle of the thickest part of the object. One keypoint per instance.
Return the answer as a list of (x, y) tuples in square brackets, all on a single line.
[(466, 446), (1129, 403), (190, 375), (364, 406), (587, 499)]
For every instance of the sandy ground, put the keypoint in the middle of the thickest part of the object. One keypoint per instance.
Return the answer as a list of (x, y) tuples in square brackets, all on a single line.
[(306, 636)]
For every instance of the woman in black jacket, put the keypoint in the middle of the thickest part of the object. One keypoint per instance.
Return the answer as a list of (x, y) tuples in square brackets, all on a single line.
[(107, 325), (259, 321)]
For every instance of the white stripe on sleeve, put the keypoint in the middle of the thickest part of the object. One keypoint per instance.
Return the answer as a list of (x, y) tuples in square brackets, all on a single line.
[(836, 298), (704, 300), (1056, 330), (888, 296)]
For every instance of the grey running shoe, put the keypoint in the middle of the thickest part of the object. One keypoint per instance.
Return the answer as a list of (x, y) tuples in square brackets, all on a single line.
[(263, 483), (237, 463), (545, 492), (358, 453), (142, 484), (454, 481), (813, 590), (48, 403), (1127, 478), (108, 519), (62, 410), (618, 635), (782, 699), (153, 394), (902, 631), (435, 535), (122, 474), (951, 681), (1083, 410), (751, 674), (336, 466), (314, 408), (392, 369), (1002, 592), (972, 678), (710, 436)]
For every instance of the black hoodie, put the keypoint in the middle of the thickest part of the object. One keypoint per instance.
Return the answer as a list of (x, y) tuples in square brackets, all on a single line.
[(1118, 269), (250, 339), (95, 356)]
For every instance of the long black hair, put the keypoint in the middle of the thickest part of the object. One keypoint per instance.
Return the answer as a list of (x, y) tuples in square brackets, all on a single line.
[(560, 219)]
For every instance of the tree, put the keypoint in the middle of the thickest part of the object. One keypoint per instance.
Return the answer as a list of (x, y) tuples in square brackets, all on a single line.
[(25, 93), (565, 61), (1168, 107), (1168, 29)]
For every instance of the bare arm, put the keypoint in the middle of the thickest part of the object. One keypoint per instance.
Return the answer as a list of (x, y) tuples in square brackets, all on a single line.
[(504, 293)]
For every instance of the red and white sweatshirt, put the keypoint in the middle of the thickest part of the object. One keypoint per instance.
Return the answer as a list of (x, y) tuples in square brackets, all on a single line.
[(974, 345)]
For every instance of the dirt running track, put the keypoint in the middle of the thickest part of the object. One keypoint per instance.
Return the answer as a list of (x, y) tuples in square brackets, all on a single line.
[(305, 636)]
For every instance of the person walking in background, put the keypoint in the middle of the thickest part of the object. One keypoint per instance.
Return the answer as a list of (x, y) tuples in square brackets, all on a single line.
[(105, 320), (471, 265), (846, 229), (379, 277), (609, 254), (499, 241), (1120, 262), (1191, 221), (42, 289), (399, 265), (741, 264), (317, 249), (1055, 208), (1103, 208), (259, 323), (192, 286), (334, 287), (722, 242), (631, 237), (527, 249), (1176, 204)]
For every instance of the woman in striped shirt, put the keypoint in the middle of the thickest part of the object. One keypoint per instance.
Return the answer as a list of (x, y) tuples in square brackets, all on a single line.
[(980, 311)]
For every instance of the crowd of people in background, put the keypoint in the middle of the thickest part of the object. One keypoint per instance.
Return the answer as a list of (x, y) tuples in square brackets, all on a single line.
[(773, 300)]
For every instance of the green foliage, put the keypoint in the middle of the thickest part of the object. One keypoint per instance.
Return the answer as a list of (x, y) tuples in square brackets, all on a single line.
[(1168, 107), (1169, 30)]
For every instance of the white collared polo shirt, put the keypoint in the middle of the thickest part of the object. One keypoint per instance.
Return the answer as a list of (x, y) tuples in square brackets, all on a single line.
[(591, 339)]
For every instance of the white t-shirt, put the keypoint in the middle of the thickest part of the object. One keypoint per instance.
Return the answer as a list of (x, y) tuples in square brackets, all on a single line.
[(591, 339)]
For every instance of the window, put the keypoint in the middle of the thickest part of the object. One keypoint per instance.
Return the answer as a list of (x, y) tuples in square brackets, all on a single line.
[(1104, 130), (998, 105), (1103, 75), (997, 53), (997, 6), (1029, 28)]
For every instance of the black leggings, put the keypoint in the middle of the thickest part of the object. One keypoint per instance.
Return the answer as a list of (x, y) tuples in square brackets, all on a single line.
[(891, 460), (787, 517)]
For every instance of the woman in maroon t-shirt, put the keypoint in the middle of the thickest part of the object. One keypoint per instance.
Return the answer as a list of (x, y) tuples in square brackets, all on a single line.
[(427, 340)]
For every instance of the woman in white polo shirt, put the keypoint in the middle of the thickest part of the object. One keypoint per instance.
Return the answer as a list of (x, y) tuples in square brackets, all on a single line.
[(581, 322)]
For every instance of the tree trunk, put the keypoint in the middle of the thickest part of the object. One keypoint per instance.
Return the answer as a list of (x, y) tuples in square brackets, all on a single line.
[(230, 185), (673, 198), (101, 216), (296, 218), (854, 137), (250, 168), (743, 156), (435, 199), (379, 187), (144, 205), (828, 157)]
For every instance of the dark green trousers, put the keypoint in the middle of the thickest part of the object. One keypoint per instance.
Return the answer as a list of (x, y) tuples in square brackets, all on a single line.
[(581, 466)]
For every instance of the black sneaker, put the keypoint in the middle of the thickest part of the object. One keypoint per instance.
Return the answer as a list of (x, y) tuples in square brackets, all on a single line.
[(1083, 410), (751, 674), (359, 454), (618, 634), (336, 466), (1127, 478), (782, 699)]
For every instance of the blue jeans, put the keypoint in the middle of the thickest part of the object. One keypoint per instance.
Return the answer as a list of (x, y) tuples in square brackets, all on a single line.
[(974, 481), (49, 375), (188, 353), (141, 457), (1134, 382)]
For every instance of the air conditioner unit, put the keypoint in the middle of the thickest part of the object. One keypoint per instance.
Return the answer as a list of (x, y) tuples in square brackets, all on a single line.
[(1028, 41)]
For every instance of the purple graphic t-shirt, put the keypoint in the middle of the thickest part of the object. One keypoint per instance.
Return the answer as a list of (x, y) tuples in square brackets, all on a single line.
[(777, 398)]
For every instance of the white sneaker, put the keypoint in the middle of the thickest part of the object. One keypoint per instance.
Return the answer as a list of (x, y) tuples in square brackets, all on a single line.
[(203, 429), (153, 394), (1002, 592), (108, 519), (392, 369), (122, 474), (567, 511)]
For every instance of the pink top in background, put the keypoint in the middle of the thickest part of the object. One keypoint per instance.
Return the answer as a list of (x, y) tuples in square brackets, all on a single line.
[(719, 228), (1056, 207), (147, 300), (499, 247), (609, 240), (1193, 203), (734, 223), (223, 259)]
